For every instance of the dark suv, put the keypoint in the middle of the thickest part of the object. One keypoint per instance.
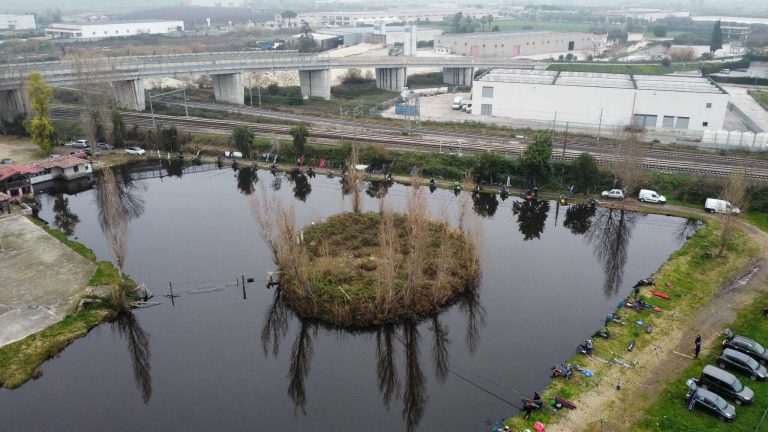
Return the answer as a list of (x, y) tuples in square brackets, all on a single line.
[(743, 363), (726, 385), (746, 346)]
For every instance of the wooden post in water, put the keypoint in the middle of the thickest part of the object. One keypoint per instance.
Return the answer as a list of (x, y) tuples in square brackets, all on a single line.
[(242, 277), (170, 287)]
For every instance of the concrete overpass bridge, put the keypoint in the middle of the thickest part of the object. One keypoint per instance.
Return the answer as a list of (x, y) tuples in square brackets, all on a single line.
[(126, 74)]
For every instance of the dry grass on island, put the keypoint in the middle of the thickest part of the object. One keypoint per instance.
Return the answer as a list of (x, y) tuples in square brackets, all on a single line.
[(362, 269)]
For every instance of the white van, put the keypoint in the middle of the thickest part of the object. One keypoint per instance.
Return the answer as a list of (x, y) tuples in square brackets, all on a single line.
[(457, 103), (713, 205), (647, 195)]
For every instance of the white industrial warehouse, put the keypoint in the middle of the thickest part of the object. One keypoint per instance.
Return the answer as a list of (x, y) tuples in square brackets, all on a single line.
[(105, 29), (17, 22), (650, 101), (521, 43)]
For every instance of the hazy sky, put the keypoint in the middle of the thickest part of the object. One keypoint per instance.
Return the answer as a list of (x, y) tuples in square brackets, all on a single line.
[(729, 7)]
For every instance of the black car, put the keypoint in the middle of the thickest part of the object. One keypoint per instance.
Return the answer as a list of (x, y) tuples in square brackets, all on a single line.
[(88, 151), (726, 385), (704, 399), (747, 346), (743, 363)]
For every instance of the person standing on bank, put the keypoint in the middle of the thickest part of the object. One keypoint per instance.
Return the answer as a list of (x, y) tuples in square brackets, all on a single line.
[(697, 348)]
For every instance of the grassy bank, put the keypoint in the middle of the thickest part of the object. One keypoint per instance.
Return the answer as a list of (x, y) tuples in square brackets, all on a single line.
[(670, 414), (695, 273), (19, 361), (760, 97)]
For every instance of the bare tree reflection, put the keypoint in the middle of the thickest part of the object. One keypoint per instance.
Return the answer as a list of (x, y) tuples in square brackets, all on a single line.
[(688, 228), (414, 395), (246, 179), (531, 217), (138, 347), (301, 354), (609, 234), (277, 182), (470, 303), (378, 188), (63, 216), (440, 349), (275, 324), (485, 204), (389, 384), (578, 218)]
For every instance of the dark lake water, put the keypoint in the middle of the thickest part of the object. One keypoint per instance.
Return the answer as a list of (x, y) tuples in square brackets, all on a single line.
[(218, 361)]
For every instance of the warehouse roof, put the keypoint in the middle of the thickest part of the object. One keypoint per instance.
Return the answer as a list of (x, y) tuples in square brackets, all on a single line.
[(692, 84), (499, 35)]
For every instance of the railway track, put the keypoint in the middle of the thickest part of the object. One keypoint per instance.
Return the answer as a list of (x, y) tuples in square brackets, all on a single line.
[(441, 143)]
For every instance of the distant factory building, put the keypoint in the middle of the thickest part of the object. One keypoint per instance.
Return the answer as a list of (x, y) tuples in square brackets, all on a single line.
[(345, 19), (106, 29), (522, 43), (645, 101), (17, 22)]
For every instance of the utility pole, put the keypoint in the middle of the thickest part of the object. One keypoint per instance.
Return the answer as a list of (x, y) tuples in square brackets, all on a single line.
[(600, 124), (565, 139), (152, 110), (186, 110)]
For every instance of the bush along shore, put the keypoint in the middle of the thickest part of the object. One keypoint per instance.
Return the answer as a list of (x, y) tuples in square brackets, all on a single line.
[(20, 360), (690, 278)]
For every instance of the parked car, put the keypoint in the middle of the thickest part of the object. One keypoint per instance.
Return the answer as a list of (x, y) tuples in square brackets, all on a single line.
[(740, 362), (81, 143), (726, 385), (710, 402), (747, 346), (713, 205), (457, 103), (468, 107), (725, 71), (88, 151), (647, 195), (613, 193), (7, 161), (135, 151), (104, 146)]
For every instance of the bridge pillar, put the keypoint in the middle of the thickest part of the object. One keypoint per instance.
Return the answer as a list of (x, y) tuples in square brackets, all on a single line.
[(458, 76), (130, 94), (392, 79), (12, 103), (229, 88), (315, 83)]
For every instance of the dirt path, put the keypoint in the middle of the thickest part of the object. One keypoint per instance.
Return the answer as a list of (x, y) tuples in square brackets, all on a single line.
[(17, 148), (658, 365)]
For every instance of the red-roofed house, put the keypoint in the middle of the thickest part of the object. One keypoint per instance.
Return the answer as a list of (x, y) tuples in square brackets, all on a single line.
[(15, 180), (62, 167)]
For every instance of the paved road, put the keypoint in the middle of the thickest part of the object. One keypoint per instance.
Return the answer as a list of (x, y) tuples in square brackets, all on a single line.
[(40, 279)]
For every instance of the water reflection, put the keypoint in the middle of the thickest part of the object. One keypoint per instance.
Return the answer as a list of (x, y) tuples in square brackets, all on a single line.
[(378, 188), (411, 389), (173, 167), (64, 219), (688, 228), (578, 218), (137, 339), (531, 217), (246, 179), (609, 233), (301, 186), (485, 204)]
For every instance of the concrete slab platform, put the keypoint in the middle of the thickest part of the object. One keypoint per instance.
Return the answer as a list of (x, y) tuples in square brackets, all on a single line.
[(40, 279)]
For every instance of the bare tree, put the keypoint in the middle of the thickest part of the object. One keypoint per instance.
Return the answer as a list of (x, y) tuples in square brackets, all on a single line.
[(418, 219), (735, 192), (97, 96), (471, 228), (629, 160), (113, 215), (389, 266), (277, 226), (354, 180)]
